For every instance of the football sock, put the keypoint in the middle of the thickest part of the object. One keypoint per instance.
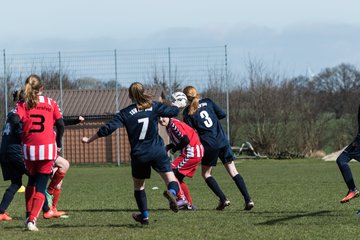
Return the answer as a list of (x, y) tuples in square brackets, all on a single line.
[(55, 180), (56, 195), (29, 196), (173, 187), (38, 202), (213, 185), (239, 181), (345, 171), (186, 192), (8, 197), (141, 201)]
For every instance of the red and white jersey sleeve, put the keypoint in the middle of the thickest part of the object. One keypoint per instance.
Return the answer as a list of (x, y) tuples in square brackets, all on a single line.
[(177, 129), (39, 138)]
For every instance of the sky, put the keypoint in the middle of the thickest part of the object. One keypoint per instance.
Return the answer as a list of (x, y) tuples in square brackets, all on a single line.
[(297, 37)]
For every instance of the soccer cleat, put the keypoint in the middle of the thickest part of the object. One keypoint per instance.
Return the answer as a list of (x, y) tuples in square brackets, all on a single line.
[(31, 226), (49, 214), (172, 201), (182, 203), (138, 217), (222, 205), (5, 217), (249, 205), (191, 207), (53, 213), (49, 198), (58, 213), (350, 195)]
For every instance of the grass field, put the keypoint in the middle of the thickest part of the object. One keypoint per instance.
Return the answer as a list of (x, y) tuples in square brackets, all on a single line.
[(294, 199)]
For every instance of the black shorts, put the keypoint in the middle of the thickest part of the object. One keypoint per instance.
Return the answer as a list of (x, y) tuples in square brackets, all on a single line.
[(12, 165), (211, 155), (141, 166)]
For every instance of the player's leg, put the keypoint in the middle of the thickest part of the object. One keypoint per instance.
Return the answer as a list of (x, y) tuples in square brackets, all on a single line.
[(173, 188), (141, 201), (342, 162), (63, 166), (8, 196), (209, 161), (227, 157)]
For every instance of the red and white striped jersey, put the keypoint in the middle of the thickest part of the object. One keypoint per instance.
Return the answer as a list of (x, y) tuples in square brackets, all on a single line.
[(176, 129), (38, 137)]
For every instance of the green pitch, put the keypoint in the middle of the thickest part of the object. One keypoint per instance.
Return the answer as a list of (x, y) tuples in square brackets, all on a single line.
[(294, 199)]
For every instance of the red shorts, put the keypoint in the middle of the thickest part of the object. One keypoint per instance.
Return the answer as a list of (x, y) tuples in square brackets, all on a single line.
[(43, 166), (188, 160)]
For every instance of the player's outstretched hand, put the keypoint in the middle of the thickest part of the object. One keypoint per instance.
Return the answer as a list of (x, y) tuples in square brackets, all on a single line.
[(85, 140)]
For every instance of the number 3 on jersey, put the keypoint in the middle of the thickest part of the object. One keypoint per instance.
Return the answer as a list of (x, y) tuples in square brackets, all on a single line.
[(145, 122), (207, 120)]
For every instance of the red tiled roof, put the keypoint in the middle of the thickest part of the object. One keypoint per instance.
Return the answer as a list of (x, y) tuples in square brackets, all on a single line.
[(95, 102)]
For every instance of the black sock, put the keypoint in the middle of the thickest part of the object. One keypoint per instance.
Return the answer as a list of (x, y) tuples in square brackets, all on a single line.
[(213, 185), (239, 181), (8, 197), (141, 200)]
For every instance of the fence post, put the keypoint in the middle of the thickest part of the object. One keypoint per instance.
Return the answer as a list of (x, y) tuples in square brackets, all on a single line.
[(61, 87), (169, 59), (227, 96), (117, 109)]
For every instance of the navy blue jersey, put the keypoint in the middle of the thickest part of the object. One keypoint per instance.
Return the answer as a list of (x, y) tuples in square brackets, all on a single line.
[(12, 130), (206, 122), (141, 127)]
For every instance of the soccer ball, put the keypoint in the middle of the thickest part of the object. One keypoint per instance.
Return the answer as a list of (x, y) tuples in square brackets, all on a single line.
[(179, 99)]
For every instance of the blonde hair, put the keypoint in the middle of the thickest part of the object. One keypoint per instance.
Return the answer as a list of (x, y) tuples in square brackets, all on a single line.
[(137, 94), (33, 85), (193, 97)]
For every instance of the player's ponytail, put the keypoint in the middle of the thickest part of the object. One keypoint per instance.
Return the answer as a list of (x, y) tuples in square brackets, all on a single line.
[(193, 97), (32, 88), (137, 94)]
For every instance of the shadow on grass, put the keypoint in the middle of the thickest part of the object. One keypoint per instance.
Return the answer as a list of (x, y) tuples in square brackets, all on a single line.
[(296, 216)]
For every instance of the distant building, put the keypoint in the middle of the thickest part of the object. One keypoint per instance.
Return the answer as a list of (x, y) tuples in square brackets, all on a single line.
[(97, 107)]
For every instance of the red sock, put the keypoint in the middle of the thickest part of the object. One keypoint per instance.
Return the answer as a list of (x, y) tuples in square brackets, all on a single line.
[(38, 202), (55, 180), (29, 196), (180, 193), (186, 192), (56, 195)]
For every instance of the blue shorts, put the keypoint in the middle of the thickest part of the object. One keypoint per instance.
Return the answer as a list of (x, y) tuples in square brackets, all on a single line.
[(141, 166), (211, 155)]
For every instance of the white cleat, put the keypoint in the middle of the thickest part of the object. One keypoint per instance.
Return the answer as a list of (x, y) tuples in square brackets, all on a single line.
[(30, 226)]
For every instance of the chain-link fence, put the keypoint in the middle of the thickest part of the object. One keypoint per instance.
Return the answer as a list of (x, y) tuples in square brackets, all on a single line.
[(173, 68)]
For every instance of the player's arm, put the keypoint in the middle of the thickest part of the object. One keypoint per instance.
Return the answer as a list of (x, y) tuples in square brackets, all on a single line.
[(60, 127), (78, 120), (184, 141), (107, 129), (218, 111), (16, 124), (167, 111)]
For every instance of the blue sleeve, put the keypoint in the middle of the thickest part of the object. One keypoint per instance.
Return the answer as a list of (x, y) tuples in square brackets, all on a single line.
[(166, 111), (218, 111), (107, 129)]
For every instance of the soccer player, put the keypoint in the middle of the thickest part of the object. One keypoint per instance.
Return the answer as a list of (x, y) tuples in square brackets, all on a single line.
[(352, 151), (61, 166), (204, 115), (185, 139), (39, 115), (12, 160), (147, 147)]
